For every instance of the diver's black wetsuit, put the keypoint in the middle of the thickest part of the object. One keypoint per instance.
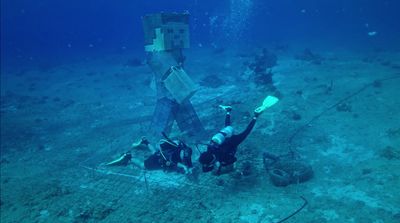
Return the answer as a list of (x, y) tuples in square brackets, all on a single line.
[(225, 153), (172, 157)]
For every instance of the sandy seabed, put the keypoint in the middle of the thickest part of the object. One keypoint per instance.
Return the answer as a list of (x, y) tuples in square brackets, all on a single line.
[(60, 123)]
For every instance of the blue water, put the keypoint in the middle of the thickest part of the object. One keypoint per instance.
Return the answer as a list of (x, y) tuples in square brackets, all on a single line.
[(49, 28)]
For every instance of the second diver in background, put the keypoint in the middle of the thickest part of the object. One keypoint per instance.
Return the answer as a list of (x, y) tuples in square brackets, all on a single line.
[(170, 155)]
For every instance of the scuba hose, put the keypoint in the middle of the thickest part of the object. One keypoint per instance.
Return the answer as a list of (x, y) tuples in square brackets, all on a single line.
[(168, 162), (165, 158), (170, 141)]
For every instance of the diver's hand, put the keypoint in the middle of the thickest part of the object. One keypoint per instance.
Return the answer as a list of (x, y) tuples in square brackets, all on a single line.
[(188, 171), (185, 169)]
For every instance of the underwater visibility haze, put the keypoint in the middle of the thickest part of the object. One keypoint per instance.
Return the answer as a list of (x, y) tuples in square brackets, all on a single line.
[(248, 111)]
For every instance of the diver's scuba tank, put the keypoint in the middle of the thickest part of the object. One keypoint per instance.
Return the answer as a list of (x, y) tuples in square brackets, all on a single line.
[(221, 136)]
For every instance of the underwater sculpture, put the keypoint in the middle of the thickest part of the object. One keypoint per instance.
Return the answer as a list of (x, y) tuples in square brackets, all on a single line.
[(166, 35)]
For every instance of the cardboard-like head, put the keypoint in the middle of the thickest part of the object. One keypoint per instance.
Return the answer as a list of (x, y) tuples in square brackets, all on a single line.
[(166, 31)]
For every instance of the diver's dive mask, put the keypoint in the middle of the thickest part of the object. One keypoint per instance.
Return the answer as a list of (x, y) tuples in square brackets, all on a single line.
[(207, 160), (207, 167)]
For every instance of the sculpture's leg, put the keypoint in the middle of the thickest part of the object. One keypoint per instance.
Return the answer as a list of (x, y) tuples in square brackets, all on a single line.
[(163, 116), (188, 121)]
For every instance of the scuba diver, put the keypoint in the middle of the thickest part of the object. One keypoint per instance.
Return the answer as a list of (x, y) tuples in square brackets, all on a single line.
[(222, 148), (171, 155)]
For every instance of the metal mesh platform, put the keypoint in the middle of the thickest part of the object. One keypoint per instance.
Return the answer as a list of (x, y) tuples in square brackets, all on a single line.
[(135, 195)]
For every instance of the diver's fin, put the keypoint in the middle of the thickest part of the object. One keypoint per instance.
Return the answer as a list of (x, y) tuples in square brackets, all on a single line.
[(123, 160), (269, 101), (227, 108), (136, 144), (140, 143)]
